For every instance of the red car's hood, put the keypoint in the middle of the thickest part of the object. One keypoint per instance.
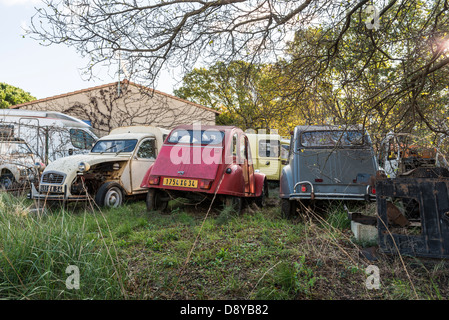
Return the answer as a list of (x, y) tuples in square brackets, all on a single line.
[(185, 161)]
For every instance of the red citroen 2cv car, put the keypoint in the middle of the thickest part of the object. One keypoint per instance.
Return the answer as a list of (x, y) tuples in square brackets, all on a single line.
[(202, 161)]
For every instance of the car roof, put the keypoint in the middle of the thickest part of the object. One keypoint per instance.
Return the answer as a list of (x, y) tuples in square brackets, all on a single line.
[(328, 127), (139, 129), (48, 116), (127, 136), (205, 127)]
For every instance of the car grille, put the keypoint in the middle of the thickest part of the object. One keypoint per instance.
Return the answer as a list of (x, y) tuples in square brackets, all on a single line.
[(52, 177)]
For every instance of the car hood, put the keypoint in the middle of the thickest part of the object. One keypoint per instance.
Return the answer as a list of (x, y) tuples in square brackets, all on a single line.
[(16, 160), (70, 164)]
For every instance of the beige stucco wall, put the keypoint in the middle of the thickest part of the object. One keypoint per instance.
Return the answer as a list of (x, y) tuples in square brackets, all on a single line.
[(135, 106)]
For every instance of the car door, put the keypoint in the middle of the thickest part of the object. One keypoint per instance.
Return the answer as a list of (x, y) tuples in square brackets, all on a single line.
[(243, 149), (250, 164), (268, 156), (143, 158)]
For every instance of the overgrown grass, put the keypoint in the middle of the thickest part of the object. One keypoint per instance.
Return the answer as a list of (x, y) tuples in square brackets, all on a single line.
[(36, 249), (128, 253)]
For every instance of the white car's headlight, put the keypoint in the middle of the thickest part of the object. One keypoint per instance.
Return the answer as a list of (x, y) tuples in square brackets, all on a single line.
[(83, 167)]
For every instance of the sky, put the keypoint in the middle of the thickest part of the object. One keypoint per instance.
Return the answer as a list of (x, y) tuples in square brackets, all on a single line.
[(44, 71)]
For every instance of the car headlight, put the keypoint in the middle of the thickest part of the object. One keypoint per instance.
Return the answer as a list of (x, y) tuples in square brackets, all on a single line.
[(83, 167)]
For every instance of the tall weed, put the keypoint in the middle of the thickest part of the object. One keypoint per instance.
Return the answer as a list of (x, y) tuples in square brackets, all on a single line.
[(37, 248)]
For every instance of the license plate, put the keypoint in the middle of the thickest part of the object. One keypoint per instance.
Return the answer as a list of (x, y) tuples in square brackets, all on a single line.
[(187, 183), (44, 188)]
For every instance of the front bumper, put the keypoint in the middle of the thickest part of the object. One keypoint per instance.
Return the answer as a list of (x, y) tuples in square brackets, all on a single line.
[(35, 195)]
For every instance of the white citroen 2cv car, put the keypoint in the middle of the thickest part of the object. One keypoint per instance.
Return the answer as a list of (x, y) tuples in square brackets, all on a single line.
[(111, 171)]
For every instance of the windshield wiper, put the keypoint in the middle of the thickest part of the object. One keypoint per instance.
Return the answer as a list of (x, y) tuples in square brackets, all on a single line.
[(122, 150), (108, 149)]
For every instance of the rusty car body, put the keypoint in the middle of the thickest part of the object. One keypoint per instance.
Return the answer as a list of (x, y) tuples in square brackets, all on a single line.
[(201, 162), (18, 168), (327, 163), (111, 171)]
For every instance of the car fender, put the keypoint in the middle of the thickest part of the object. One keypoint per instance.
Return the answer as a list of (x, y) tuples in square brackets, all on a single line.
[(286, 182), (146, 177), (259, 181), (13, 169), (232, 183)]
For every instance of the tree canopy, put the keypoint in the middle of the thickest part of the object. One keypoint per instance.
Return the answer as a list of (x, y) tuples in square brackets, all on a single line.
[(245, 93), (385, 66), (10, 95)]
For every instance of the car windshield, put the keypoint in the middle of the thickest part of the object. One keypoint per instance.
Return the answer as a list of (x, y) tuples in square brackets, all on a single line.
[(196, 136), (14, 148), (331, 138), (114, 146)]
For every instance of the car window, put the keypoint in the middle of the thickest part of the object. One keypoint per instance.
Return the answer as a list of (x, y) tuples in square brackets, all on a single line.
[(285, 151), (248, 150), (196, 136), (331, 138), (269, 148), (113, 146), (81, 139), (147, 149), (6, 131), (243, 147), (234, 144)]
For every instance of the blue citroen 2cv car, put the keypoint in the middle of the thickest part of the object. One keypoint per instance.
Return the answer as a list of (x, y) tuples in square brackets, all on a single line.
[(327, 163)]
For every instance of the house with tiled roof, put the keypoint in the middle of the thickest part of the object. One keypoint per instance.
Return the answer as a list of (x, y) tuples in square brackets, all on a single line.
[(124, 103)]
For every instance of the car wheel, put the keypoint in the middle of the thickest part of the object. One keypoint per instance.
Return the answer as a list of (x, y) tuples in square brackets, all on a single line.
[(261, 200), (109, 195), (157, 200), (235, 203), (6, 182), (54, 205), (288, 208)]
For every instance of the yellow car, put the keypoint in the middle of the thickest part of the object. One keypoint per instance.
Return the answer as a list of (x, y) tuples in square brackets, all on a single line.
[(269, 152)]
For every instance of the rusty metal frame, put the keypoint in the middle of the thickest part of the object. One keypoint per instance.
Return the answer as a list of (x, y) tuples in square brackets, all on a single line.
[(430, 188)]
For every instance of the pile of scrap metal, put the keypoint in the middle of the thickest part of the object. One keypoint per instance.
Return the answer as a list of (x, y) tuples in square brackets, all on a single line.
[(412, 213), (401, 152)]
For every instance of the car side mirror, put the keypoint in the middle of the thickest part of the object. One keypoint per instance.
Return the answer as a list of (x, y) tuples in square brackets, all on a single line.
[(70, 152)]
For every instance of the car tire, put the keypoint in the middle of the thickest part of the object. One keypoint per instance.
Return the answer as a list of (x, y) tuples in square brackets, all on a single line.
[(54, 205), (261, 200), (110, 195), (157, 200), (235, 203), (288, 208), (7, 182)]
